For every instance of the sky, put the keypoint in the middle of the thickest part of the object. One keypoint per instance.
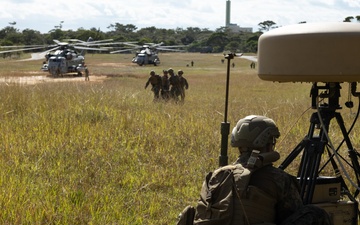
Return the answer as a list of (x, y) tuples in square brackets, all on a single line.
[(45, 15)]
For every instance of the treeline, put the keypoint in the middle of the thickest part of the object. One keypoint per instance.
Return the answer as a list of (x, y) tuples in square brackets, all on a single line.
[(196, 39)]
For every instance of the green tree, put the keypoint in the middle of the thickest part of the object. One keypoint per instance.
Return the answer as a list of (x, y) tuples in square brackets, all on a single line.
[(32, 37), (218, 41), (267, 25), (189, 35), (348, 19), (150, 33), (56, 34), (83, 34), (11, 35), (252, 42), (120, 32), (117, 27), (232, 46)]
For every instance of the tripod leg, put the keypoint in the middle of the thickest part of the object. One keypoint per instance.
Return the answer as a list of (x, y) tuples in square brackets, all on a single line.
[(310, 161), (309, 168), (352, 153), (293, 154), (300, 146)]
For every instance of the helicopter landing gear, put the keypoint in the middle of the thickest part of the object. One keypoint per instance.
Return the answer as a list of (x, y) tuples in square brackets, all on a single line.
[(55, 73)]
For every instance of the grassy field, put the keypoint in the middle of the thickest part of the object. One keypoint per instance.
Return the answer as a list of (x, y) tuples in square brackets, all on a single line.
[(101, 152)]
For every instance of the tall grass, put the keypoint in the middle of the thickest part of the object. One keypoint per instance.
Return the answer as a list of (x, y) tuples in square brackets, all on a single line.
[(103, 153)]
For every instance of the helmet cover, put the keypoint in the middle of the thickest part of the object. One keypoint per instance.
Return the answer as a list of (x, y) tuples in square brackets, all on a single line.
[(254, 132)]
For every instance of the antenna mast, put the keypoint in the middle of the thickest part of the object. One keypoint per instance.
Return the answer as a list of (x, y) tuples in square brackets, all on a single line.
[(225, 126)]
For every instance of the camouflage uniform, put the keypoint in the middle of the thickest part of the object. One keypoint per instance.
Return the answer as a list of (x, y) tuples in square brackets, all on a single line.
[(155, 81), (283, 191), (183, 85), (87, 78), (175, 89), (165, 89), (282, 187)]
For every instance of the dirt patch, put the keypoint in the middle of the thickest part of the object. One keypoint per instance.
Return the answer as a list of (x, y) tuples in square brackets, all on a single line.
[(115, 65), (37, 79)]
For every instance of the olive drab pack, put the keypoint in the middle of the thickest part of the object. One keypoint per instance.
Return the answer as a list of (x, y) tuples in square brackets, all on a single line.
[(220, 196), (226, 198), (186, 217)]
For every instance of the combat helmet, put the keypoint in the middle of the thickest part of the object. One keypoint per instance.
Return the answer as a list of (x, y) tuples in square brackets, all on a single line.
[(180, 72), (254, 132), (152, 72)]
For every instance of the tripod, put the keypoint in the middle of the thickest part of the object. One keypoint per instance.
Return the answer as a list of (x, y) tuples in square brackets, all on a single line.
[(315, 145)]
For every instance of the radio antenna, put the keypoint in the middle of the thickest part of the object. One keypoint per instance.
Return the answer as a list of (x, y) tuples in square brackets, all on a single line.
[(225, 126)]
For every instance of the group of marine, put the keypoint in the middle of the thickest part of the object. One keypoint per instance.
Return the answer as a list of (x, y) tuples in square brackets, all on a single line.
[(169, 86)]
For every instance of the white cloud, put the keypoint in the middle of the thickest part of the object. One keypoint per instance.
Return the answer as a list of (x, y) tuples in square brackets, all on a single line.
[(353, 3)]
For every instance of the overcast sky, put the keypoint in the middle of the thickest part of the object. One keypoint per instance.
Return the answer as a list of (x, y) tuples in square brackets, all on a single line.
[(44, 15)]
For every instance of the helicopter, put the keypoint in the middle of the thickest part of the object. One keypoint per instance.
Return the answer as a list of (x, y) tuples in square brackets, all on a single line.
[(148, 53), (63, 57)]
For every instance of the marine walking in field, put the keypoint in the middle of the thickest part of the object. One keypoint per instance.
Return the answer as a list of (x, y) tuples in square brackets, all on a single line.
[(175, 88), (87, 78), (165, 89), (183, 85), (252, 65), (156, 83)]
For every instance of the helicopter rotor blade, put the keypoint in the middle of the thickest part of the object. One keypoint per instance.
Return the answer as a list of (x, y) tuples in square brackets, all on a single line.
[(35, 56), (57, 41), (22, 49), (99, 41), (38, 56), (132, 44), (173, 46), (152, 45), (49, 50), (170, 50), (87, 43), (122, 50), (22, 46), (89, 48), (73, 40), (100, 44), (41, 55)]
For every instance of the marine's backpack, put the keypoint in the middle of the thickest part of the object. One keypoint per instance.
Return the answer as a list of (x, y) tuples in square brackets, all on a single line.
[(219, 198)]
